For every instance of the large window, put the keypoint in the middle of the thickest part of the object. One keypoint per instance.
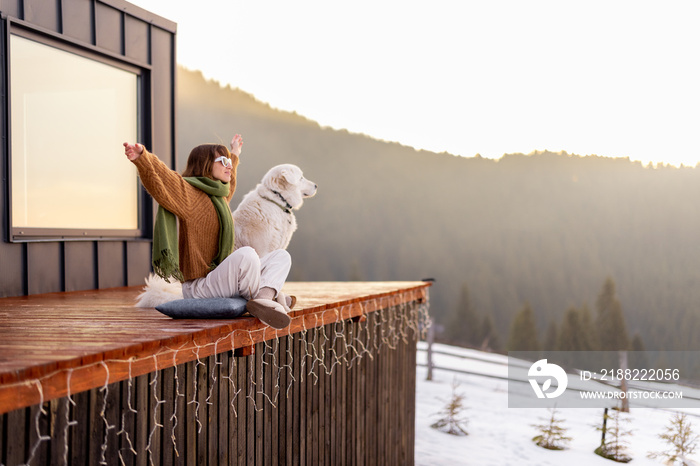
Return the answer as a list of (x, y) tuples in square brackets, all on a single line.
[(69, 115)]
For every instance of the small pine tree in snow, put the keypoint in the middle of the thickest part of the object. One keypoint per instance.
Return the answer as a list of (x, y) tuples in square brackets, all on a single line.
[(682, 440), (552, 435), (451, 421), (614, 446)]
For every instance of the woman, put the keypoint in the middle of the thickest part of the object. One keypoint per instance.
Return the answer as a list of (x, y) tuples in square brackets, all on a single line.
[(201, 255)]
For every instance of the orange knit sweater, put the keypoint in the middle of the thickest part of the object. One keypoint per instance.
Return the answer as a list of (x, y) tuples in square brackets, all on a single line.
[(198, 236)]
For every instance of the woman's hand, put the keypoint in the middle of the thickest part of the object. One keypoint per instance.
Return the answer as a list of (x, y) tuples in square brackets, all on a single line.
[(237, 145), (133, 151)]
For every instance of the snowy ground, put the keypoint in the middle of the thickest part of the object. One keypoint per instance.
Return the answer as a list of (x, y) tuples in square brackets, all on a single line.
[(501, 436)]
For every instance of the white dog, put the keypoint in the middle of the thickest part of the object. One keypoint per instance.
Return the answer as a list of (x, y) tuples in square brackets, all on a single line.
[(264, 220)]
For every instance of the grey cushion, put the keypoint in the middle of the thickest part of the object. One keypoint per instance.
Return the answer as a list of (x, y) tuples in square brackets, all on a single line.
[(205, 308)]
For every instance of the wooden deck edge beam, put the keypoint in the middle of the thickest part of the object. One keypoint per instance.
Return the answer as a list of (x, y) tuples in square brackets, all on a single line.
[(65, 378)]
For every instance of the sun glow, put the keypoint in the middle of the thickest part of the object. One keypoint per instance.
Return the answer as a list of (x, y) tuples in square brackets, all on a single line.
[(613, 79)]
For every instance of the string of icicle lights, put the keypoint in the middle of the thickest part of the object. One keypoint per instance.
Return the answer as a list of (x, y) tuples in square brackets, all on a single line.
[(392, 324)]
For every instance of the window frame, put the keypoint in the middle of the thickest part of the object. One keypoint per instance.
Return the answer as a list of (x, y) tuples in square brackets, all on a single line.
[(143, 83)]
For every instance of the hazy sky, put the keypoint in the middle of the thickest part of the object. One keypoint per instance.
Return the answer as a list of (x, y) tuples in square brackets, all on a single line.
[(613, 78)]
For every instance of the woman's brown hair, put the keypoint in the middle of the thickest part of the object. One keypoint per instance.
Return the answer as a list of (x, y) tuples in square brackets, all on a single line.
[(202, 157)]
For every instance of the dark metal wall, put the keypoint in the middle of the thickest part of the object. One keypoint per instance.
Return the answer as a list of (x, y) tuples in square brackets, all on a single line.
[(119, 30), (316, 397)]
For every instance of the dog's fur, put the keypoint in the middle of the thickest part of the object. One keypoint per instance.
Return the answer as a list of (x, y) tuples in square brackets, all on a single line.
[(157, 291), (264, 220), (260, 222)]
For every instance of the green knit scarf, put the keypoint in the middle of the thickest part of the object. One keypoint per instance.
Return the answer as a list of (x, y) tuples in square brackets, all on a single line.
[(166, 260)]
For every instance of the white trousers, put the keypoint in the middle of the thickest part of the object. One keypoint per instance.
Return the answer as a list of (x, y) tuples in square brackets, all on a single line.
[(243, 273)]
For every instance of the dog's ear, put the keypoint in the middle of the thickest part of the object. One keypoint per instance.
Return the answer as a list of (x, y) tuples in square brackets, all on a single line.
[(287, 176)]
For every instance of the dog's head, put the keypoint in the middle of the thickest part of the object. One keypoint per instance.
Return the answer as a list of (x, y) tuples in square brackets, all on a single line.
[(288, 180)]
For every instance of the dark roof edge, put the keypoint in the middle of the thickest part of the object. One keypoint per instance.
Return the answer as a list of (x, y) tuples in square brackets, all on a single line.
[(140, 13)]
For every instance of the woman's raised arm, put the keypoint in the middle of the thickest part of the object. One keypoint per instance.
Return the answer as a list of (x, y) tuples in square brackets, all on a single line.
[(166, 186)]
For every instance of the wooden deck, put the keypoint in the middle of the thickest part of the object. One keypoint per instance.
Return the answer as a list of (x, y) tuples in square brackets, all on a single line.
[(55, 344)]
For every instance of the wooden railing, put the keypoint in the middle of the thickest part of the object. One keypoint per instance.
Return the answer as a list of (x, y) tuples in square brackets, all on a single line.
[(86, 378)]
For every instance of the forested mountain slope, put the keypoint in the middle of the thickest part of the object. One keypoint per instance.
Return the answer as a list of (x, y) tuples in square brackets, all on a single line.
[(545, 229)]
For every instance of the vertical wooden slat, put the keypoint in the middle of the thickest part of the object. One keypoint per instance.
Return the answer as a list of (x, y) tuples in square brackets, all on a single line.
[(16, 443), (297, 390), (127, 422), (367, 388), (411, 402), (322, 391), (79, 431), (108, 27), (318, 427), (286, 413), (242, 407), (361, 406), (250, 410), (167, 449), (42, 13), (279, 416), (269, 440), (399, 403), (111, 422), (275, 380), (163, 115), (138, 264), (79, 266), (317, 400), (259, 406), (291, 406), (357, 406), (156, 417), (59, 409), (201, 414), (12, 8), (142, 419), (44, 267), (382, 377), (380, 446), (373, 418), (180, 407), (38, 423), (385, 376), (110, 264), (190, 454), (12, 278), (351, 396), (334, 402), (307, 420), (328, 399), (233, 388), (95, 427), (136, 39), (410, 375), (341, 429), (212, 410), (77, 20), (223, 409), (394, 399)]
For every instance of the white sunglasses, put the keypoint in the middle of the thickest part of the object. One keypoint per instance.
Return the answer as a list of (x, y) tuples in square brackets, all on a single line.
[(225, 161)]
